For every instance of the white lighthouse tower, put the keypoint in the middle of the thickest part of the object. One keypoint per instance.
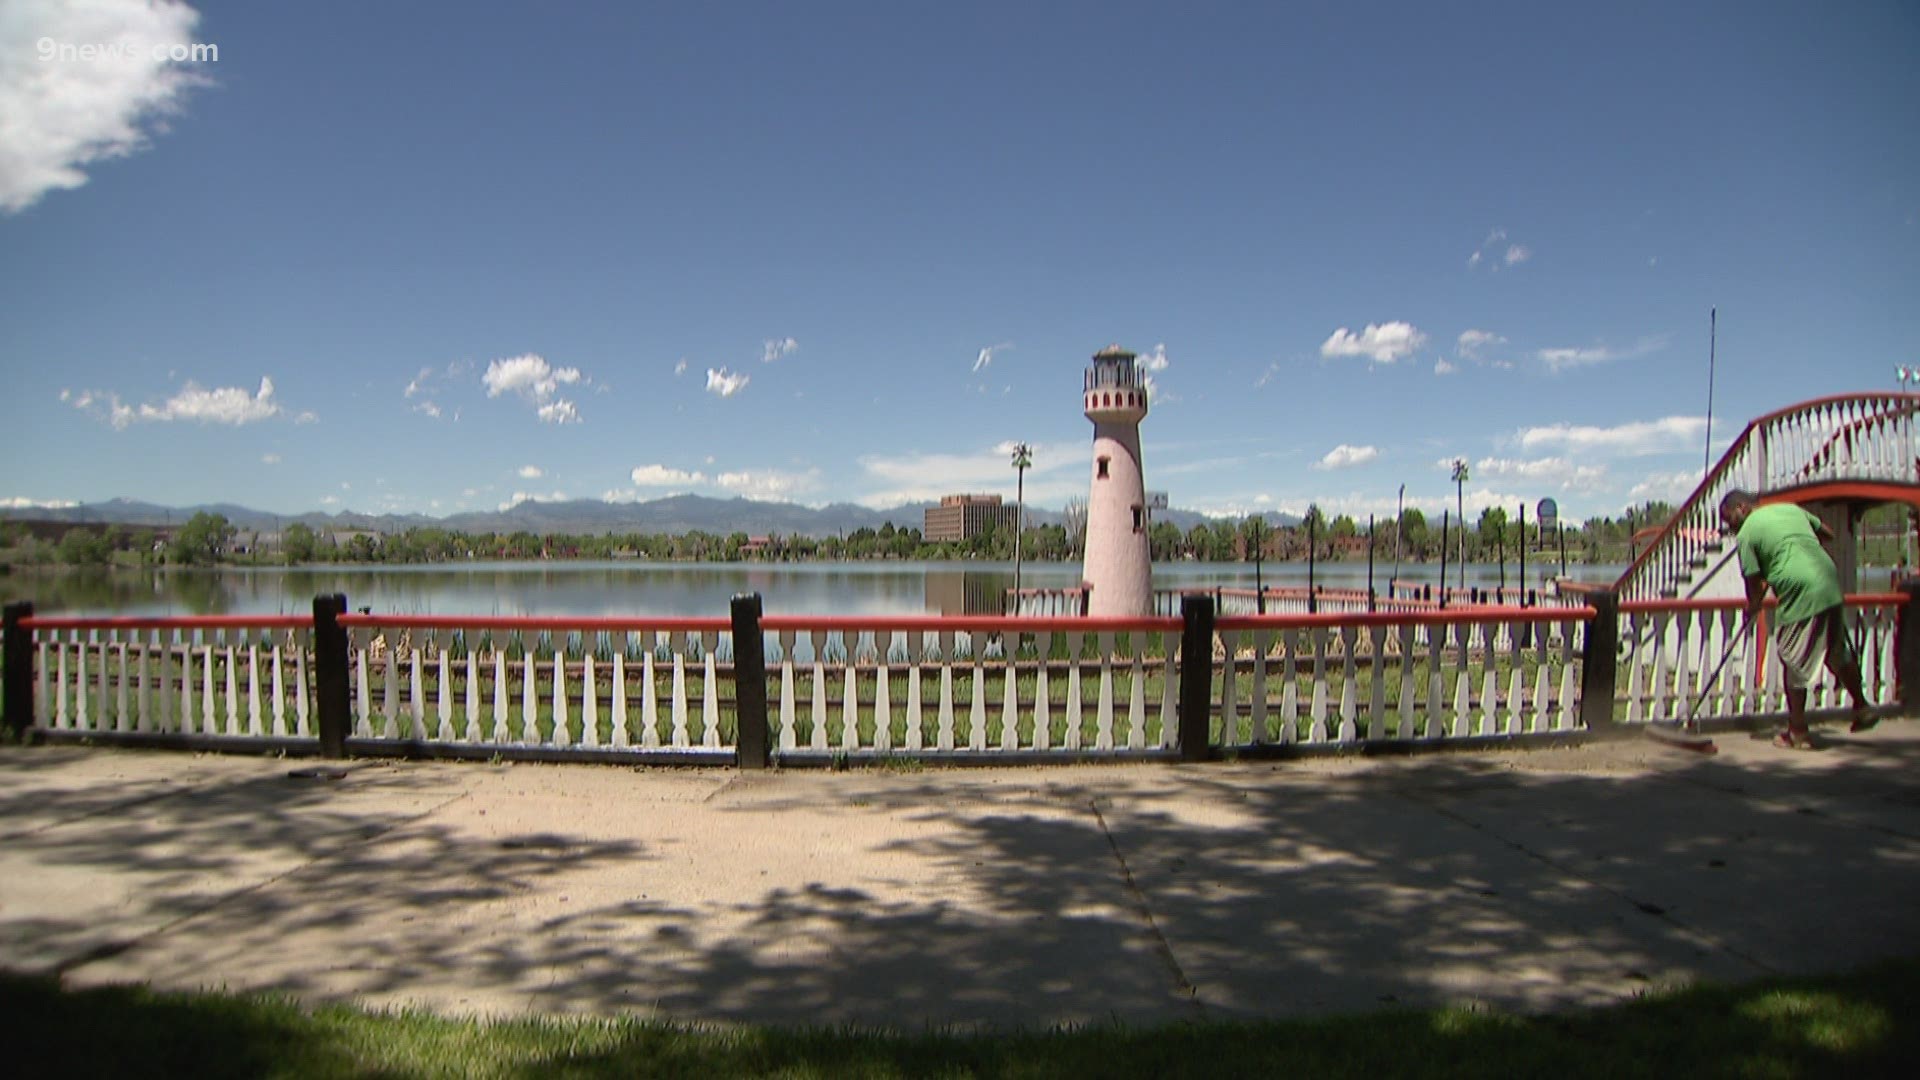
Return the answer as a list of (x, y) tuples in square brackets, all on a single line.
[(1119, 568)]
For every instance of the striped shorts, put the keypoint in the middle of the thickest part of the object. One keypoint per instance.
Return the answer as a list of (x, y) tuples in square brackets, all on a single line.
[(1808, 644)]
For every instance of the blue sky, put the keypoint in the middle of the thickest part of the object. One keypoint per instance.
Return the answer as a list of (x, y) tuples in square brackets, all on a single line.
[(432, 258)]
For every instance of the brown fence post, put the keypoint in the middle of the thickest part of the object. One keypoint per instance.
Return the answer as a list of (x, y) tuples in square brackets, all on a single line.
[(1906, 651), (1196, 677), (330, 674), (1599, 662), (750, 683), (18, 705)]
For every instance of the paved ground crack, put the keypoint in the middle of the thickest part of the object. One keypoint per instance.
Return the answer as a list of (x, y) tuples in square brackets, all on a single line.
[(1161, 945)]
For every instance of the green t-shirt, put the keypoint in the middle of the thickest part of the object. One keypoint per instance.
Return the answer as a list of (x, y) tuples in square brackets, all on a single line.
[(1778, 542)]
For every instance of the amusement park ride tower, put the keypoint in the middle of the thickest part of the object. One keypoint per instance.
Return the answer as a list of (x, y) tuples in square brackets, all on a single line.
[(1119, 568)]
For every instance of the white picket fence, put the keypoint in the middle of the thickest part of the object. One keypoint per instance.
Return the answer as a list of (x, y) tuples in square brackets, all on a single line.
[(1343, 681), (979, 684), (596, 684), (921, 686), (243, 677), (1701, 660)]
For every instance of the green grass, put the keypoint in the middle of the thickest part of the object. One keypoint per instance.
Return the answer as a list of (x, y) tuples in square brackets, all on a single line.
[(1855, 1025)]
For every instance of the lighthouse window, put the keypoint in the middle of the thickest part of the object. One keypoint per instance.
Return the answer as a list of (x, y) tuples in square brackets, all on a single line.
[(1139, 518), (1103, 468)]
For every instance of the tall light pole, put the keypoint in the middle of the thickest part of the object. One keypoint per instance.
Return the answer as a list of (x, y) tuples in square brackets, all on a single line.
[(1460, 509), (1022, 461)]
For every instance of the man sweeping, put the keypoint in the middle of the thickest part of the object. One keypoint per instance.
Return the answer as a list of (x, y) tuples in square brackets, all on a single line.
[(1780, 547)]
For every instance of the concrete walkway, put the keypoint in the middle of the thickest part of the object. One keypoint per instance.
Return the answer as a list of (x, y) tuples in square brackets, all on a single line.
[(1030, 897)]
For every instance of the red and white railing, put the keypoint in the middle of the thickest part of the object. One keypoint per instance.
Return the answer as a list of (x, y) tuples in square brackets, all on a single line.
[(1701, 659), (551, 684), (238, 676), (1864, 438), (1348, 680), (972, 684)]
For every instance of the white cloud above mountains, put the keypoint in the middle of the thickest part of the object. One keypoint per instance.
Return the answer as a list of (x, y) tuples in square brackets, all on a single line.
[(1381, 343), (59, 115), (537, 382), (1346, 457), (1059, 472), (665, 476), (231, 405), (774, 348)]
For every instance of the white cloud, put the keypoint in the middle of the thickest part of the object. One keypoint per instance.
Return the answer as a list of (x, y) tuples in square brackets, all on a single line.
[(329, 500), (774, 348), (430, 408), (531, 472), (1558, 360), (1472, 341), (59, 115), (537, 382), (1496, 252), (418, 383), (726, 385), (665, 476), (559, 412), (1632, 439), (519, 497), (221, 405), (1443, 366), (986, 354), (18, 503), (1562, 473), (681, 367), (1346, 457), (769, 484), (1383, 343), (1059, 472), (1665, 487), (1154, 361), (269, 459)]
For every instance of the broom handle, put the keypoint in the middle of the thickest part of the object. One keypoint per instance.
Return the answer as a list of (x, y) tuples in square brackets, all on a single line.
[(1706, 687)]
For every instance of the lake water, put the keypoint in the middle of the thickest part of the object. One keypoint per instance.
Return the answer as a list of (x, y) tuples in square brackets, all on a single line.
[(630, 588)]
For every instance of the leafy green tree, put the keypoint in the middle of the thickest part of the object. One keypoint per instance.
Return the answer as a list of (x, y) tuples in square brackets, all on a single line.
[(83, 547), (1163, 541), (202, 539), (298, 543), (1413, 533)]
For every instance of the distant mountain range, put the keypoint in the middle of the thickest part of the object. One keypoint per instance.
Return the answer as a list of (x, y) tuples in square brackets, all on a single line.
[(673, 514)]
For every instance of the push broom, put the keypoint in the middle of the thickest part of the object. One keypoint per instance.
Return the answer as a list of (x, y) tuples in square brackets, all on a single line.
[(1685, 733)]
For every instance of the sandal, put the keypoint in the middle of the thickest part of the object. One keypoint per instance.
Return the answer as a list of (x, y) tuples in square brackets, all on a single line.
[(1787, 740), (1863, 721)]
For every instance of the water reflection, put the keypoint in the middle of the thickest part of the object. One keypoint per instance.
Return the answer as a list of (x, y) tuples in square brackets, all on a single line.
[(629, 588)]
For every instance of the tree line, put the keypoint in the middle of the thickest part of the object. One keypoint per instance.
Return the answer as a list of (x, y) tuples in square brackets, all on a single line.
[(207, 539)]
